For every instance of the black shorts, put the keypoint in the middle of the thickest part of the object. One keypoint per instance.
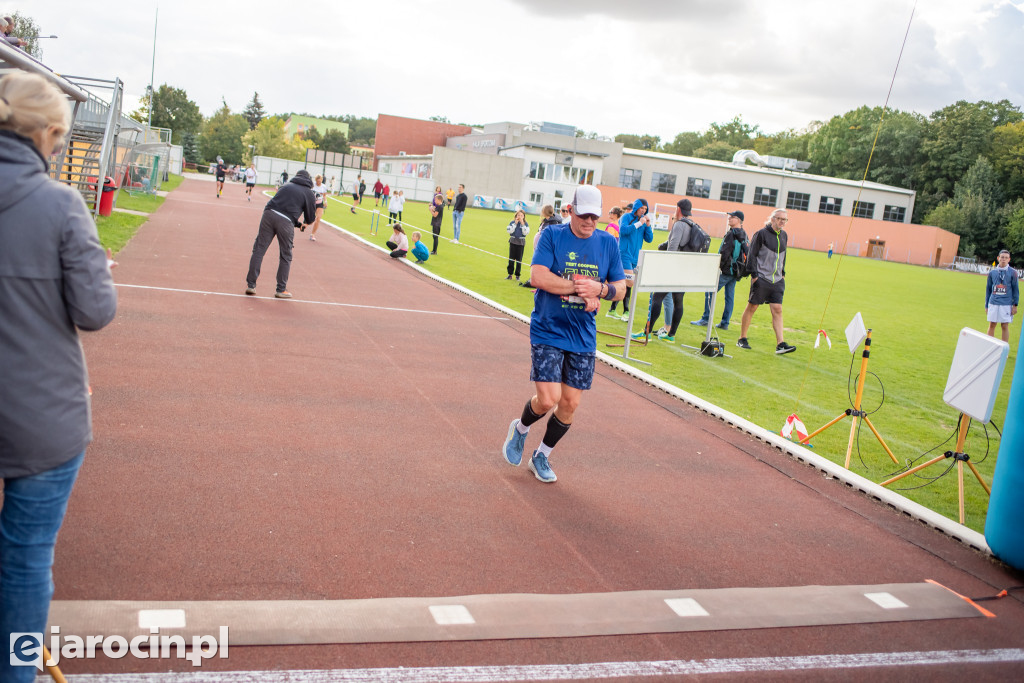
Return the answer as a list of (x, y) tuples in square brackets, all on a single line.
[(764, 292), (220, 179), (250, 184)]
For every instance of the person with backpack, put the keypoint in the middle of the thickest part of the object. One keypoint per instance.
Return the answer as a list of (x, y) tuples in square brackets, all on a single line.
[(766, 265), (686, 235), (734, 258)]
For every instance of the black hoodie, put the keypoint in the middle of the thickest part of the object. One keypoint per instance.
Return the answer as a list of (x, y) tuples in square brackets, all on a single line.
[(295, 199)]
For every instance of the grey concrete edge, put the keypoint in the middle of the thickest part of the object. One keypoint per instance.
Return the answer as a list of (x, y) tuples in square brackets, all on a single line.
[(933, 519)]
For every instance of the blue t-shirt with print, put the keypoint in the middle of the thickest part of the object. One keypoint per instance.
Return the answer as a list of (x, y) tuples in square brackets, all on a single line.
[(562, 321)]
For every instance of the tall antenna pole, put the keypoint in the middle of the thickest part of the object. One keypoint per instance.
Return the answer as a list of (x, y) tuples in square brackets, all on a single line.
[(152, 71)]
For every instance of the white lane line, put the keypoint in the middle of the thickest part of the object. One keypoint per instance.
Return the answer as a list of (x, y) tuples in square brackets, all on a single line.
[(686, 607), (448, 615), (576, 672), (885, 600), (308, 301), (161, 618)]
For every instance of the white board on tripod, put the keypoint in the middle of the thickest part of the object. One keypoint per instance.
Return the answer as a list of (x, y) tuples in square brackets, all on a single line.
[(856, 332), (975, 373), (676, 271)]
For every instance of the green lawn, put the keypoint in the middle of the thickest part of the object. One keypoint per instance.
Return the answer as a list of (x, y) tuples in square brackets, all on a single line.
[(116, 229), (915, 315)]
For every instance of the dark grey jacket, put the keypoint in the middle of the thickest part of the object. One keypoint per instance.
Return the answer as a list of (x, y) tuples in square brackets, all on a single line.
[(54, 280)]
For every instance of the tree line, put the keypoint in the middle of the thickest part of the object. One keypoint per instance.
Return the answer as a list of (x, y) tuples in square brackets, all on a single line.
[(237, 137), (965, 161)]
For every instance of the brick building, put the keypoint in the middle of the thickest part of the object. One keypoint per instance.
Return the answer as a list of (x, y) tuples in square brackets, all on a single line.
[(397, 135)]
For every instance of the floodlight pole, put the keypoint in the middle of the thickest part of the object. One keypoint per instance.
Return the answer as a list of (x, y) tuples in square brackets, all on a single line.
[(856, 412), (152, 72), (959, 456)]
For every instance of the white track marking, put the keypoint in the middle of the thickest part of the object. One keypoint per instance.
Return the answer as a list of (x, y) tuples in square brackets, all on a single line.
[(447, 615), (885, 600), (307, 301), (686, 607), (576, 672), (161, 618)]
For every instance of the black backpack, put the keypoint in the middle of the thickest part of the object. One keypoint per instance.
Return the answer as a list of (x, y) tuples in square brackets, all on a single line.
[(734, 254), (699, 240)]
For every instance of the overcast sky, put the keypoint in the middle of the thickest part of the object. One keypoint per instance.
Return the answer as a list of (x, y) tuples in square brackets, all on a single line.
[(608, 66)]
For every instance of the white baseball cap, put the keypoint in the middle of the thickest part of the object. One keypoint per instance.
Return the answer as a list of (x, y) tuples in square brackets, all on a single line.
[(587, 199)]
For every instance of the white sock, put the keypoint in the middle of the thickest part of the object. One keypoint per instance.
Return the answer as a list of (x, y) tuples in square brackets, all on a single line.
[(521, 428), (544, 448)]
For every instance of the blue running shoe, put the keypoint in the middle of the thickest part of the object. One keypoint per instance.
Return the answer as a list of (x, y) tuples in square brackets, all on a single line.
[(540, 468), (512, 451)]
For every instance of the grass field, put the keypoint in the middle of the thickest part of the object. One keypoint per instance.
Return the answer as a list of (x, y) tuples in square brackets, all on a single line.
[(915, 315), (116, 229)]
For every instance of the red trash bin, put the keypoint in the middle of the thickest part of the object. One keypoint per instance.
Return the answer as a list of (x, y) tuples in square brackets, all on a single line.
[(107, 198)]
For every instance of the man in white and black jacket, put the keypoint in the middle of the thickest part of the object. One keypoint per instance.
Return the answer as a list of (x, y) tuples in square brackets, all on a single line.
[(766, 264), (281, 216)]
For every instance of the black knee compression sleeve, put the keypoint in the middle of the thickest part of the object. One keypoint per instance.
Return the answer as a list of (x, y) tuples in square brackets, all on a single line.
[(555, 431), (529, 417)]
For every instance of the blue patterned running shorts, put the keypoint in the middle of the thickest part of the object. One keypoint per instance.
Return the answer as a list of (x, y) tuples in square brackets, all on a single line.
[(565, 367)]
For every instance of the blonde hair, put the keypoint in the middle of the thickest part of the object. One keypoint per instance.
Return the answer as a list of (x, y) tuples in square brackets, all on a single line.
[(319, 178), (29, 103), (416, 235)]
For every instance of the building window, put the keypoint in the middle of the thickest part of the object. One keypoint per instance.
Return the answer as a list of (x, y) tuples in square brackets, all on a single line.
[(698, 187), (732, 192), (798, 201), (586, 177), (863, 210), (536, 197), (663, 182), (896, 214), (832, 205), (765, 196), (630, 178)]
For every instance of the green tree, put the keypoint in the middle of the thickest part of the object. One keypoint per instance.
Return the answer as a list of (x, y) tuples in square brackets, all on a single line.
[(684, 144), (953, 138), (1008, 157), (1012, 218), (789, 144), (335, 141), (171, 109), (736, 133), (361, 130), (26, 28), (719, 150), (313, 136), (254, 112), (190, 148), (440, 119), (269, 139), (222, 136), (648, 142), (979, 196)]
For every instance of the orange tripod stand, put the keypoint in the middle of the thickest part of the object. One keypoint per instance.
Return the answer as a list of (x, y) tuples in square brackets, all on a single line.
[(855, 412), (959, 456)]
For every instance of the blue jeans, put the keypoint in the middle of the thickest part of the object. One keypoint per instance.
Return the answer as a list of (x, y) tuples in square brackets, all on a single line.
[(457, 223), (729, 282), (32, 513), (670, 308)]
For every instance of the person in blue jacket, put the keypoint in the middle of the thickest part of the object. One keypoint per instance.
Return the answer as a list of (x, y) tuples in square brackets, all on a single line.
[(634, 229), (419, 250), (1002, 294)]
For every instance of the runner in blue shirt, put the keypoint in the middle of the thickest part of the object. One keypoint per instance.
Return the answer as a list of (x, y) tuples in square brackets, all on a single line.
[(573, 268)]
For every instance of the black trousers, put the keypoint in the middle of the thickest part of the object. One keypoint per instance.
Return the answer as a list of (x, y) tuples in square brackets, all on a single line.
[(515, 258), (677, 310), (437, 231)]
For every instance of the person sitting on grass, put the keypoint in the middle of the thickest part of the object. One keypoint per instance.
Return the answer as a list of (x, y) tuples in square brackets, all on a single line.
[(399, 243), (419, 250)]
